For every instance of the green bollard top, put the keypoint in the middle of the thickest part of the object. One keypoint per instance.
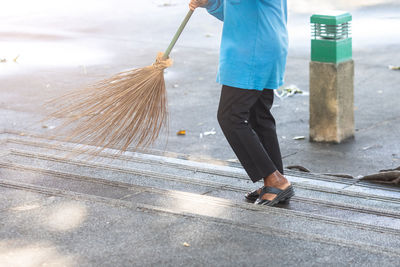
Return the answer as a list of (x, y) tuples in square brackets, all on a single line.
[(331, 18), (331, 37)]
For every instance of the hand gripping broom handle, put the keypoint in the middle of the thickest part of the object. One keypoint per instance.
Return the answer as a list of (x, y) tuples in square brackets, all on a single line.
[(177, 34)]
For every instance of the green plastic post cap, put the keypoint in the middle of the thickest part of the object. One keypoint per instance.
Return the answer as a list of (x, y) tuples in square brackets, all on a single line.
[(331, 37), (331, 18)]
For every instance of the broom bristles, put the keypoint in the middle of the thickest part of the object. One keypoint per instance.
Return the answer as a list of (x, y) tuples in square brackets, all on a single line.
[(128, 108)]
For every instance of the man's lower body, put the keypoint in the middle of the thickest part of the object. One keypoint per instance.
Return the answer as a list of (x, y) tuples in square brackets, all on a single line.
[(248, 125)]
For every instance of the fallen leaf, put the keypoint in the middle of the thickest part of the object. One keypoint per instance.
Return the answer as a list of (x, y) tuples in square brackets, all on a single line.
[(390, 177), (181, 132), (340, 175), (388, 170), (298, 167)]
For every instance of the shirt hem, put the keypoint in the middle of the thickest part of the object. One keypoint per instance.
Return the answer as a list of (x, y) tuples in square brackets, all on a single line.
[(249, 86)]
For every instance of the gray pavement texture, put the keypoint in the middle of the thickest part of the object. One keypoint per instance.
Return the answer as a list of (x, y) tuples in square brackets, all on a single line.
[(141, 209), (102, 235)]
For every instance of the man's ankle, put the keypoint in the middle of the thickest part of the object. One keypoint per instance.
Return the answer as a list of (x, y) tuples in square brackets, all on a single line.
[(274, 179)]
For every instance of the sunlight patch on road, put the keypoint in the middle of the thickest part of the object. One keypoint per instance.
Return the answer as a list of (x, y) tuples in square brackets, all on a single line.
[(49, 53), (195, 205), (66, 216), (32, 255), (31, 55)]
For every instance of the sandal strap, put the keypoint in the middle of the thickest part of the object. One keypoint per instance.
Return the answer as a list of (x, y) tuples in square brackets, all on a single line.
[(281, 195), (270, 190)]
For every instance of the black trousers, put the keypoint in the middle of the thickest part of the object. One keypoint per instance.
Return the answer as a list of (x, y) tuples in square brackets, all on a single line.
[(248, 125)]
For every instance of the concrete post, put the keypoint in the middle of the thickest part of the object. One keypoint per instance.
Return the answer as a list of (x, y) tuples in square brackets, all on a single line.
[(331, 78), (331, 101)]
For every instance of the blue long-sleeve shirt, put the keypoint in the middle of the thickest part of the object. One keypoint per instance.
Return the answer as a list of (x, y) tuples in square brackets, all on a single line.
[(254, 42)]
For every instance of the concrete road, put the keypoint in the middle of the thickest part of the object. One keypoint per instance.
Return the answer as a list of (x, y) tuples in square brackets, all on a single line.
[(51, 47)]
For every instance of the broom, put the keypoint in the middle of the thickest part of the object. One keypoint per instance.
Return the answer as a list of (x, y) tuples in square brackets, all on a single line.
[(130, 107)]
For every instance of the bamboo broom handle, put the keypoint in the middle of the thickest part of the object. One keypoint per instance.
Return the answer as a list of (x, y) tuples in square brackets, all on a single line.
[(177, 34)]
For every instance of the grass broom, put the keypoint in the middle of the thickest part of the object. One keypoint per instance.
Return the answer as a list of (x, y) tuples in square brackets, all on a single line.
[(127, 108)]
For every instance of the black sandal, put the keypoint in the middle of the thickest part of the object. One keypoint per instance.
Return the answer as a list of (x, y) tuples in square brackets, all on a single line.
[(281, 195), (252, 196)]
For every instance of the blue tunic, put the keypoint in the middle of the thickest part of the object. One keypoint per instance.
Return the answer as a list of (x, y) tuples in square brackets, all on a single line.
[(254, 42)]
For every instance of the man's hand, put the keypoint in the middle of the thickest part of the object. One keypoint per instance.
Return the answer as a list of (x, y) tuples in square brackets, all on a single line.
[(197, 3)]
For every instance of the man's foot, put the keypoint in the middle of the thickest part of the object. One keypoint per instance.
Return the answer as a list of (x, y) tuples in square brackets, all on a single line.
[(276, 180), (276, 189), (253, 195), (281, 195)]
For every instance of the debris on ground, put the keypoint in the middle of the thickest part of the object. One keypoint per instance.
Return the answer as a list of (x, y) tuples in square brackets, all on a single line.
[(4, 60), (390, 177), (372, 146), (391, 67), (164, 3), (185, 244), (389, 170), (298, 167), (212, 132), (299, 137), (208, 35), (290, 90), (181, 132), (340, 175), (48, 127)]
